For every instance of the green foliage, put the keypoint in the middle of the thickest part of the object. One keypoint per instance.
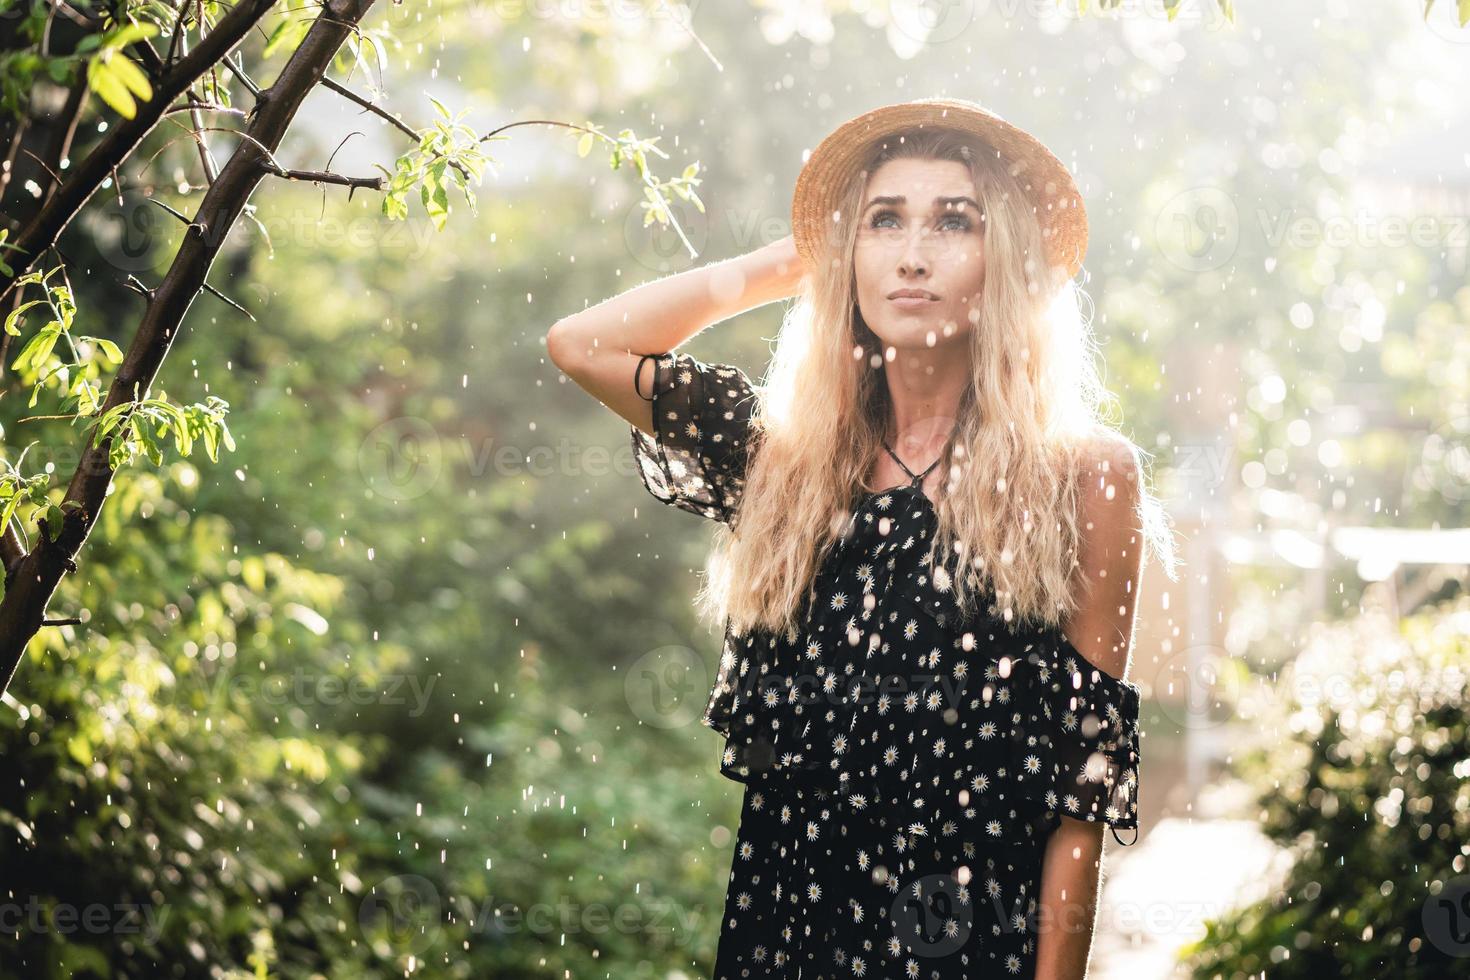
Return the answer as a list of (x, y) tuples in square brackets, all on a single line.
[(111, 73), (114, 77), (141, 426), (6, 246), (1362, 773), (135, 427), (193, 774), (76, 377), (291, 29), (17, 489), (448, 153), (273, 829), (628, 147), (21, 67)]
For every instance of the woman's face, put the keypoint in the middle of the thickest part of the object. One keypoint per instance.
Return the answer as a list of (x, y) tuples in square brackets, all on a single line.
[(919, 228)]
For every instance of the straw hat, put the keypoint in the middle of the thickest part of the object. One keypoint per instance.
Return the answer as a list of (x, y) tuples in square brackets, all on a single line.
[(1058, 203)]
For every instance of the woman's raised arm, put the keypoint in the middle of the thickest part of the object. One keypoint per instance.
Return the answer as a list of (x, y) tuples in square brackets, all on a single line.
[(599, 348)]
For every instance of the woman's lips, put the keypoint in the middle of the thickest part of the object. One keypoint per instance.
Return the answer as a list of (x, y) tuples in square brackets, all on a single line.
[(911, 302)]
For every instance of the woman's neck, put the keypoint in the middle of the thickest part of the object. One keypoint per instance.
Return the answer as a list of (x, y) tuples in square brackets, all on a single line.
[(924, 395)]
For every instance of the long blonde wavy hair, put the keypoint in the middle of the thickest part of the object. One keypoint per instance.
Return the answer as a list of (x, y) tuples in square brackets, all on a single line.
[(1007, 514)]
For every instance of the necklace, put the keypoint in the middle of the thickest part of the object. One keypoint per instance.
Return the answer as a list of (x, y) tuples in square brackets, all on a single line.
[(918, 478)]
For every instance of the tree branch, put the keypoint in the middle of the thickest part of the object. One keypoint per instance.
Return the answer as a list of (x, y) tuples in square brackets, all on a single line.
[(327, 177), (37, 575), (43, 230)]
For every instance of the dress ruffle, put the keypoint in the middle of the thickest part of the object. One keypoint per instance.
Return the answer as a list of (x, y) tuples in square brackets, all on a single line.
[(795, 714), (1074, 736), (702, 421)]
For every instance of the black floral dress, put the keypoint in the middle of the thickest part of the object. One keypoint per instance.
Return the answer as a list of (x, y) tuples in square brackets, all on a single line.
[(902, 768)]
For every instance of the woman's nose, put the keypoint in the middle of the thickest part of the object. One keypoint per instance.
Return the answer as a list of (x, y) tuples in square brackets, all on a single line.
[(914, 260)]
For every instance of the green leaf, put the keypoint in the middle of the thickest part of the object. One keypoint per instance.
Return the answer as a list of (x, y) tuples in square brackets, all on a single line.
[(176, 413), (8, 511), (394, 206), (287, 34), (184, 434), (435, 196), (87, 400), (130, 33), (39, 348), (114, 354), (110, 88), (109, 420), (132, 76), (54, 519), (10, 321), (150, 445)]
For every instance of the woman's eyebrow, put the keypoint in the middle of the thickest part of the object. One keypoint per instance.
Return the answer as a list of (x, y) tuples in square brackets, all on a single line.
[(941, 201)]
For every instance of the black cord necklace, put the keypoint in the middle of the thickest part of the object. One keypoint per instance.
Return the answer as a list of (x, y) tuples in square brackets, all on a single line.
[(918, 478)]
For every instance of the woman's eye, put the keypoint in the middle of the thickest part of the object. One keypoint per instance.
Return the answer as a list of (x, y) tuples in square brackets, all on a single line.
[(958, 222)]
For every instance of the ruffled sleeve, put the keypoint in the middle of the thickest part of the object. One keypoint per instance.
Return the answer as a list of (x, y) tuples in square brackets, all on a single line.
[(702, 420), (1074, 736)]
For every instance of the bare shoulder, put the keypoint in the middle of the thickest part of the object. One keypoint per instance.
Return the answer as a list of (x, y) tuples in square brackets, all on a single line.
[(1110, 549), (1108, 519), (1106, 458)]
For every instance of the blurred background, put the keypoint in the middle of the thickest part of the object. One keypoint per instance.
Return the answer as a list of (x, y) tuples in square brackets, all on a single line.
[(408, 683)]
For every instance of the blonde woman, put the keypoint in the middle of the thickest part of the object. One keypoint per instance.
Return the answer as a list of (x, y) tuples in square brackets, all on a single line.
[(928, 555)]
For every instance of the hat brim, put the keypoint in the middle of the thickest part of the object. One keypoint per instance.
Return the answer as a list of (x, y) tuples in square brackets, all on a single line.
[(1056, 200)]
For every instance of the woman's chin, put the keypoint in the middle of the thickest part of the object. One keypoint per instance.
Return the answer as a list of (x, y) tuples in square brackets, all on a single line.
[(921, 335)]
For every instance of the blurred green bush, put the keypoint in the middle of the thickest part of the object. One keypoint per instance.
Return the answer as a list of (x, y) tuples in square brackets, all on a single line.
[(196, 792), (1362, 772)]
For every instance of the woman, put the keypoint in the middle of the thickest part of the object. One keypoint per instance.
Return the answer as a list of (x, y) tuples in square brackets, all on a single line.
[(929, 557)]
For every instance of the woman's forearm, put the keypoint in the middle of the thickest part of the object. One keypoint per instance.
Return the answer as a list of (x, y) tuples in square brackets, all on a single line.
[(1067, 912), (660, 315)]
